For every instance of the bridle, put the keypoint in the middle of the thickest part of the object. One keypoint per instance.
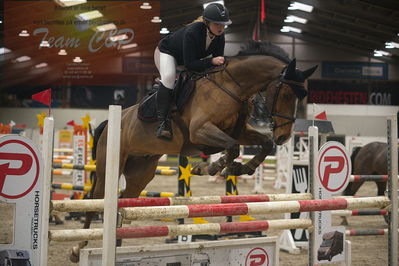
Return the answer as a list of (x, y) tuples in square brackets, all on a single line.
[(281, 80), (271, 115)]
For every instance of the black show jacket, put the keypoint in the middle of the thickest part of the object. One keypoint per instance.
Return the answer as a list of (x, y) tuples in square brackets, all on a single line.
[(187, 46)]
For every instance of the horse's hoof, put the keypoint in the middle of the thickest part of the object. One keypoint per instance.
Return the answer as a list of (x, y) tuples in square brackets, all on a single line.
[(200, 169), (245, 170), (74, 254), (235, 169)]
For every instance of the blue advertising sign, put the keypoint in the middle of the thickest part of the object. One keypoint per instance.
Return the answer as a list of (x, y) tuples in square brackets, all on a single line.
[(354, 70)]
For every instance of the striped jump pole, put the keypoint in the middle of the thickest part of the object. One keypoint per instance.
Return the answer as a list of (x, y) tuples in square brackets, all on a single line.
[(63, 150), (62, 172), (252, 208), (86, 188), (92, 167), (366, 232), (69, 186), (87, 167), (359, 212), (361, 178), (98, 204), (176, 230)]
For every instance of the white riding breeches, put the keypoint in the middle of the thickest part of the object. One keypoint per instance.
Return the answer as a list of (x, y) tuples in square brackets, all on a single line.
[(166, 65)]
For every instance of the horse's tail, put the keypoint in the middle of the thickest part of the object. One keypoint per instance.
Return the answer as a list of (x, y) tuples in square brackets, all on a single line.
[(355, 151), (97, 134)]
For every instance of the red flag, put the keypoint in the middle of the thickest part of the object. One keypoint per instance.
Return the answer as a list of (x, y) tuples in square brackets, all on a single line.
[(321, 116), (43, 97), (255, 32), (71, 123), (262, 11)]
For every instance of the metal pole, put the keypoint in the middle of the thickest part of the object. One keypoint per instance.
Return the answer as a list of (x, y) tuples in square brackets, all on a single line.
[(313, 155), (392, 136)]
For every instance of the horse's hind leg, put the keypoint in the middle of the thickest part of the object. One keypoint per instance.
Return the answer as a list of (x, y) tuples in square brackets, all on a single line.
[(97, 192), (139, 171), (381, 186)]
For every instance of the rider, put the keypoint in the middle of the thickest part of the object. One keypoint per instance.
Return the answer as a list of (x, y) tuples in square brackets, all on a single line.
[(188, 47)]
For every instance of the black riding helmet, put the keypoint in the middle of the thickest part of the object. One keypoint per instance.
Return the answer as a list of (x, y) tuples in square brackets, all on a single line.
[(216, 13)]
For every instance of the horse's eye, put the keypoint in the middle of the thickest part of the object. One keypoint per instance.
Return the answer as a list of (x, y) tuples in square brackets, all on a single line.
[(287, 96)]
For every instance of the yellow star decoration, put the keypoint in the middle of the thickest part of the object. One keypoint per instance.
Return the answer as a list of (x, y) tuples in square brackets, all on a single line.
[(86, 121), (40, 119), (185, 173), (90, 142)]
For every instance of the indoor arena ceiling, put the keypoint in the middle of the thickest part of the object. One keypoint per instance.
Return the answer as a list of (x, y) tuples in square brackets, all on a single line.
[(355, 26)]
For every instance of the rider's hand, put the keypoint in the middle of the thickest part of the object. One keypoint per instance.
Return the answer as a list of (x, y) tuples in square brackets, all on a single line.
[(217, 61)]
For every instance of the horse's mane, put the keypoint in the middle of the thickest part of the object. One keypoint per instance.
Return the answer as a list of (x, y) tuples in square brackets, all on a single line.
[(264, 48)]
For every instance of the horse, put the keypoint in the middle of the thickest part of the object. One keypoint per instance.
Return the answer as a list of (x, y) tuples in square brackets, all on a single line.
[(370, 159), (214, 119)]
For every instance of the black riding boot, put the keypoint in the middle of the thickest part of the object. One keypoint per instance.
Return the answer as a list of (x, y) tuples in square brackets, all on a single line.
[(164, 130)]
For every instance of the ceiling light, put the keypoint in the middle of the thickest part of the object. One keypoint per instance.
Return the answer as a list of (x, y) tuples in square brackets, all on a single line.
[(164, 31), (62, 52), (391, 45), (4, 50), (290, 19), (89, 15), (146, 5), (156, 20), (105, 27), (289, 28), (300, 6), (24, 33), (381, 53), (22, 59), (77, 60), (41, 65), (66, 3), (118, 37), (44, 44), (128, 46), (212, 2)]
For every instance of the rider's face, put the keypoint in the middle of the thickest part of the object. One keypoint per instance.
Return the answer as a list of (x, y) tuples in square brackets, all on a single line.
[(216, 29)]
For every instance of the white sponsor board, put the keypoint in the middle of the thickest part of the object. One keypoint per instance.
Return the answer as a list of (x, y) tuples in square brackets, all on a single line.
[(333, 170), (21, 169), (246, 252)]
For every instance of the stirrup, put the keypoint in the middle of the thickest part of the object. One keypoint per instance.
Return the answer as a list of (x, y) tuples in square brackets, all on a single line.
[(164, 133)]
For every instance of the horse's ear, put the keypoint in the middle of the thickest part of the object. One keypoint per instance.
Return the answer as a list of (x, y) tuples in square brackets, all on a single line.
[(291, 66), (307, 73)]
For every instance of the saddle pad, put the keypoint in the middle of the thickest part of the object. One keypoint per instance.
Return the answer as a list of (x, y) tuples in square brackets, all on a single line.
[(148, 108)]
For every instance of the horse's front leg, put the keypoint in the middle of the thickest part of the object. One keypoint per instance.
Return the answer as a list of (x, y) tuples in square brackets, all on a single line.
[(252, 137), (210, 135)]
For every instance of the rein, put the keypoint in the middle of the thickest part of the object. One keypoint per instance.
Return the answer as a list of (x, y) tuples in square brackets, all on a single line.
[(281, 78), (279, 85)]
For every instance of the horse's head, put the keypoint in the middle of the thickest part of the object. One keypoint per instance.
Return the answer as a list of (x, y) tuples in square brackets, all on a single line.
[(284, 93)]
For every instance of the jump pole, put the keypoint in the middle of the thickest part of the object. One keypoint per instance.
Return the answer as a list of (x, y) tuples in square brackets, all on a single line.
[(111, 185)]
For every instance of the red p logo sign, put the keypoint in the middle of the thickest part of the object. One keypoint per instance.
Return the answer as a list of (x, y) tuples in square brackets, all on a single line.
[(330, 170), (257, 257), (5, 169), (20, 166), (333, 167)]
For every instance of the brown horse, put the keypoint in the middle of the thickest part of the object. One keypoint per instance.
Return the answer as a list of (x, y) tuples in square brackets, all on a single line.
[(214, 119), (370, 159)]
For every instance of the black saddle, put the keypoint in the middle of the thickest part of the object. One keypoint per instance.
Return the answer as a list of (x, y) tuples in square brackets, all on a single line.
[(182, 91)]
